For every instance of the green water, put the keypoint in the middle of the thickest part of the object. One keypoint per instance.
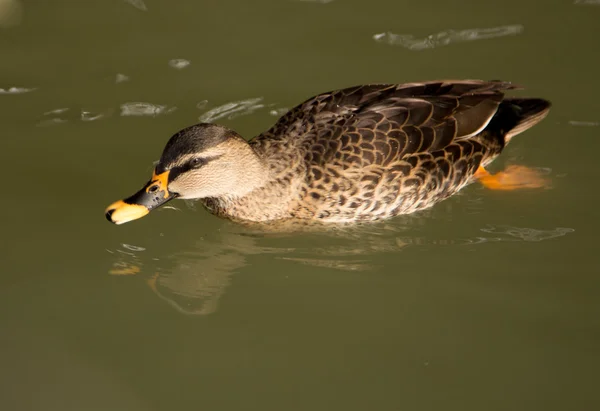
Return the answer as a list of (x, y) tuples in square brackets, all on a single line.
[(489, 301)]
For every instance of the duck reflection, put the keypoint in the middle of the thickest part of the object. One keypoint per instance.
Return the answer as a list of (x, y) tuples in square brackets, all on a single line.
[(193, 280)]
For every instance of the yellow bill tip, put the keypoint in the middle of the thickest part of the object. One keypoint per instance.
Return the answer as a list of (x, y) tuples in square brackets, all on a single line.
[(120, 212)]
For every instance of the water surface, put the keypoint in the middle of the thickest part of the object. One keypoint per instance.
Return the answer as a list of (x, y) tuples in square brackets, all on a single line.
[(486, 302)]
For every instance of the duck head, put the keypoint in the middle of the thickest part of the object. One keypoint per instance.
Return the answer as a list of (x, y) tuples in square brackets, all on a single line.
[(204, 160)]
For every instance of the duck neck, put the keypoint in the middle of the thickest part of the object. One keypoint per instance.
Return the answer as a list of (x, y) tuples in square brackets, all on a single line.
[(251, 173)]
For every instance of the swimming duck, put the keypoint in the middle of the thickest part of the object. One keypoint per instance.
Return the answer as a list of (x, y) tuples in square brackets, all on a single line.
[(362, 153)]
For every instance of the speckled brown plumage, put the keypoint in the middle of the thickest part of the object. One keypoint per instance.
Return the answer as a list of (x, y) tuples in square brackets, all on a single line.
[(357, 154), (376, 151)]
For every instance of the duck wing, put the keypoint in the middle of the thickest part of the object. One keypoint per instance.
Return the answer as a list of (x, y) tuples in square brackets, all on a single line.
[(382, 123)]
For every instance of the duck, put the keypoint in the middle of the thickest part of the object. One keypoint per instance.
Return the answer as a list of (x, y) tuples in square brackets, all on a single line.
[(357, 154)]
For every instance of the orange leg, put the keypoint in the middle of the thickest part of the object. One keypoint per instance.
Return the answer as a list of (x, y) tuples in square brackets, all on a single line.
[(513, 178)]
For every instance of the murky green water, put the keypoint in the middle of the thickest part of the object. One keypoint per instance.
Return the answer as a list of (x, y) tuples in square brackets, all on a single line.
[(487, 302)]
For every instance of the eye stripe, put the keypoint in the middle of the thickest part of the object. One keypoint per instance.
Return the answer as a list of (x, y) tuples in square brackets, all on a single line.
[(203, 160), (177, 170)]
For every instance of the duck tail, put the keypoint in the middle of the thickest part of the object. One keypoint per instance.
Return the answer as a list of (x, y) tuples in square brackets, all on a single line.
[(515, 115)]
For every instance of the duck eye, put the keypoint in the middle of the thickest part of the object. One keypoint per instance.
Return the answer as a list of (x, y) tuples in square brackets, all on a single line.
[(196, 162)]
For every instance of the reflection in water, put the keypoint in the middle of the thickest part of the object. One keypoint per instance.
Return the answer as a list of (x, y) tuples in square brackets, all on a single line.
[(51, 121), (361, 265), (196, 280), (232, 110), (11, 13), (446, 37), (127, 262), (138, 4), (524, 233), (193, 280), (179, 63)]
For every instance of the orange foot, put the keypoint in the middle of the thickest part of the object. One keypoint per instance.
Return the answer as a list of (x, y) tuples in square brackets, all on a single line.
[(513, 178)]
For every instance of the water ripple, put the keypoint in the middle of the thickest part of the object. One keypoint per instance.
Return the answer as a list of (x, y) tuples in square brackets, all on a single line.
[(89, 116), (133, 247), (352, 265), (194, 278), (16, 90), (64, 114), (51, 122), (138, 4), (584, 123), (145, 109), (279, 111), (316, 1), (56, 111), (525, 233), (179, 64), (443, 38), (121, 78), (232, 110)]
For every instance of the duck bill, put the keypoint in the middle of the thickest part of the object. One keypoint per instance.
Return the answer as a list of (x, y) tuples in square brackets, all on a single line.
[(151, 196)]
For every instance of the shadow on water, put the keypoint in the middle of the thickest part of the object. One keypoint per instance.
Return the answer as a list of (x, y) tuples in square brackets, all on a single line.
[(192, 280)]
